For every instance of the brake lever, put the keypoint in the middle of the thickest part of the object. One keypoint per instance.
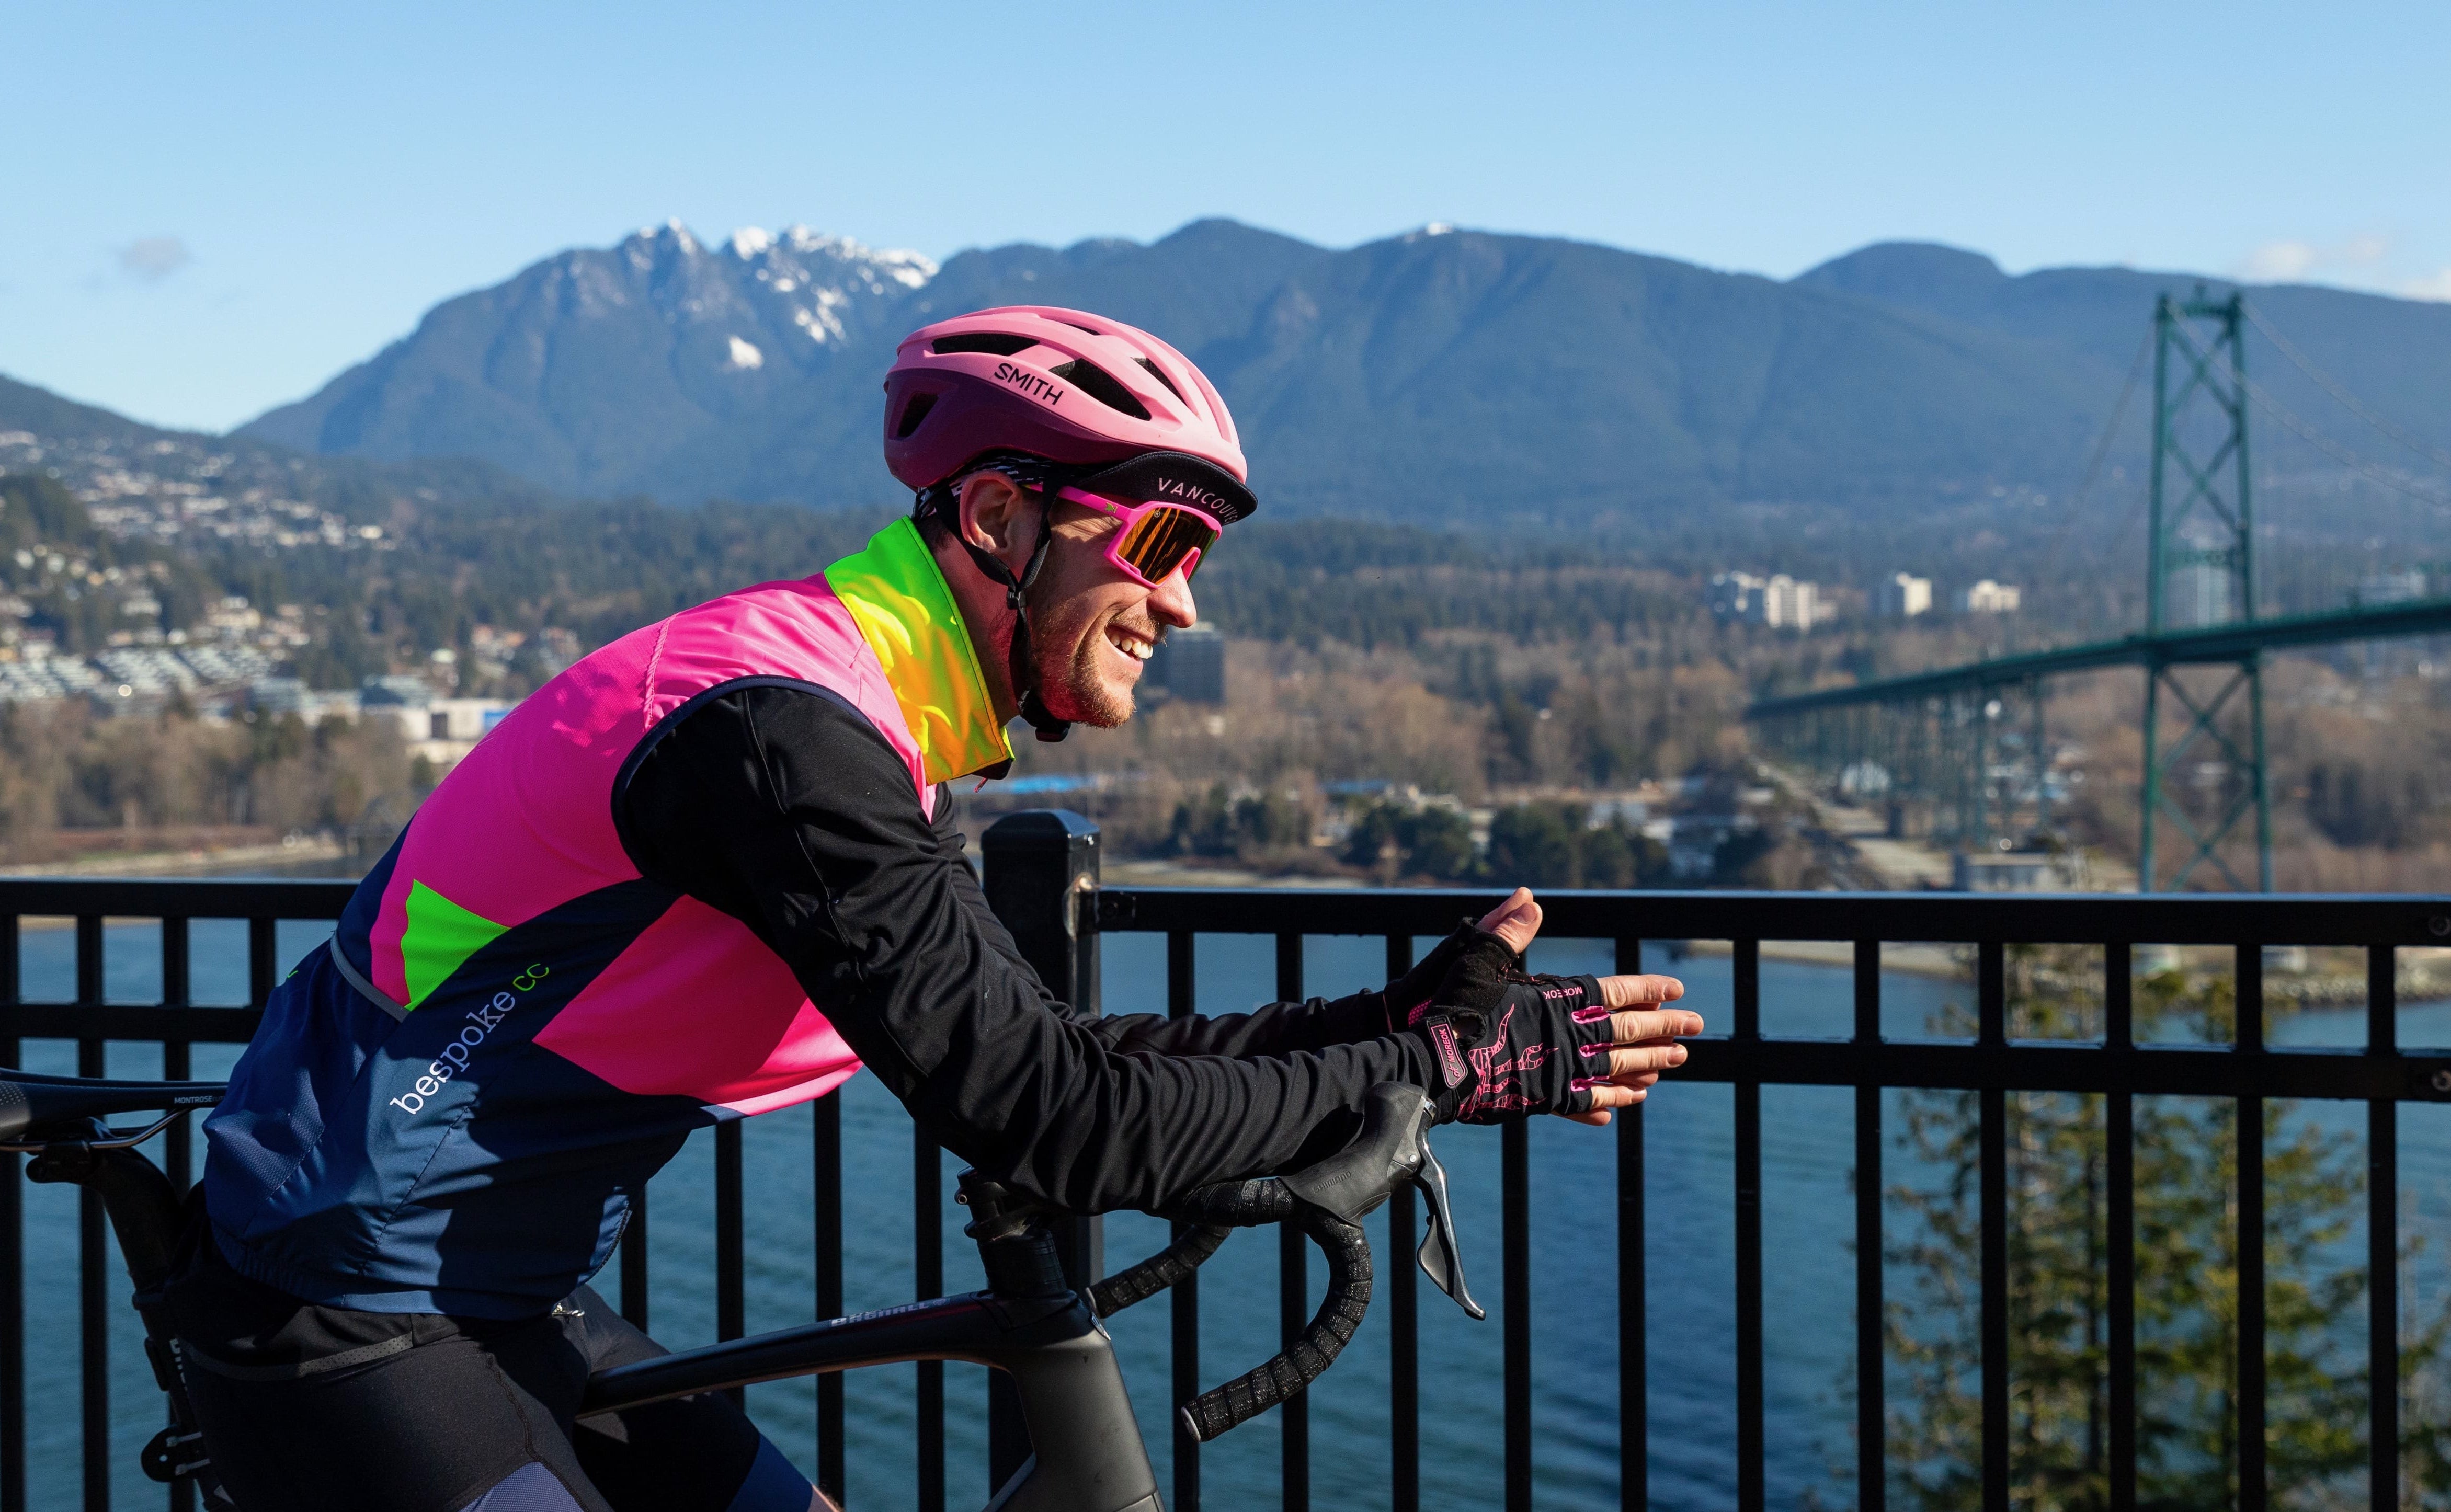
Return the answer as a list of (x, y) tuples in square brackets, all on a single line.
[(1394, 1147), (1440, 1258)]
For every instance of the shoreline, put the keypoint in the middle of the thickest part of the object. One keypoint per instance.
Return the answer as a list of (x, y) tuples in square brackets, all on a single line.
[(237, 860), (303, 850)]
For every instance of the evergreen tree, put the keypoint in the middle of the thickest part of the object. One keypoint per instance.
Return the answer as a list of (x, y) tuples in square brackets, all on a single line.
[(2186, 1164)]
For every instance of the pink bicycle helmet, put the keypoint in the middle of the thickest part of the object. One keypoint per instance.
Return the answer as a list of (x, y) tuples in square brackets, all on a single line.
[(1076, 388)]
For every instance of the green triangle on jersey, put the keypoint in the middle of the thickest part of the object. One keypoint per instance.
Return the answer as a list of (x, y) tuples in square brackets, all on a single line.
[(440, 935)]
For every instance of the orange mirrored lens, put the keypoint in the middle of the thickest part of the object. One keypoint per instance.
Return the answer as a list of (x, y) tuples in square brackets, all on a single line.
[(1158, 541)]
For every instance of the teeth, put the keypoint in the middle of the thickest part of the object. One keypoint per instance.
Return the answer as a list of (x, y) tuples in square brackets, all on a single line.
[(1132, 646)]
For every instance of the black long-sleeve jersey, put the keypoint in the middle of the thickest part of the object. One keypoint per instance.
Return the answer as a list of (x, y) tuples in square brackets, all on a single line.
[(786, 810)]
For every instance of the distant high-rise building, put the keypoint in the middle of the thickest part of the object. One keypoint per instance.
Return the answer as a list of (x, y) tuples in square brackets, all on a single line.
[(1779, 601), (1902, 596), (2199, 589), (1790, 601), (1989, 597), (1190, 665)]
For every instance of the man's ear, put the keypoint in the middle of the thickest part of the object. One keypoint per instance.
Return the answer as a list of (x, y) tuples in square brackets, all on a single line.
[(998, 518)]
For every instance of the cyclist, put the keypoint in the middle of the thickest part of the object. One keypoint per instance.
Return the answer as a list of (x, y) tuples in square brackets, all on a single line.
[(709, 871)]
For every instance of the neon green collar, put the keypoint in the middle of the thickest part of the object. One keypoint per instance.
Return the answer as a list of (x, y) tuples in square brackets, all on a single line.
[(897, 597)]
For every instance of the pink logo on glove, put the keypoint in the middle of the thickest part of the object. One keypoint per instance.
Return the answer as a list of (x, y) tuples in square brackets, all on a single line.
[(1497, 1091), (1451, 1064)]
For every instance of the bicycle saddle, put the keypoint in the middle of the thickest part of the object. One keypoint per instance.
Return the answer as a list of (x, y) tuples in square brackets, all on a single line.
[(31, 1100)]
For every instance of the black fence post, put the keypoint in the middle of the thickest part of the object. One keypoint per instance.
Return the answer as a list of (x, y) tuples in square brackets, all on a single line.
[(1042, 880)]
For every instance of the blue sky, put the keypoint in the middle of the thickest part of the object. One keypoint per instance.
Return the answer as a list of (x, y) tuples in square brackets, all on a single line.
[(208, 210)]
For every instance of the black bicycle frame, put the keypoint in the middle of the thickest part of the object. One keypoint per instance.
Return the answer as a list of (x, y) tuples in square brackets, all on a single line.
[(1085, 1449)]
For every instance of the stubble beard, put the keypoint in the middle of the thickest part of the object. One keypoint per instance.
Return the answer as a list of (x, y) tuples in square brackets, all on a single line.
[(1071, 684)]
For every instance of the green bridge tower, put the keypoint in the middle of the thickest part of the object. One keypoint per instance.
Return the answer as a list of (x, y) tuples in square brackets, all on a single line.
[(2203, 542)]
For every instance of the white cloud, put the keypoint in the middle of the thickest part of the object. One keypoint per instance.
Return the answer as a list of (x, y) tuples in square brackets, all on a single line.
[(2364, 250), (151, 259), (2434, 285), (2286, 262), (2280, 261), (745, 355)]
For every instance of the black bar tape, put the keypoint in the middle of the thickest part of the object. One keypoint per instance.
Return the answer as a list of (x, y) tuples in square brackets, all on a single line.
[(1347, 1251), (1235, 1204), (1159, 1272)]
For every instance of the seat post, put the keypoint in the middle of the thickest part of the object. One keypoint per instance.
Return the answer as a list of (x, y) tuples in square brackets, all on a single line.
[(143, 1207)]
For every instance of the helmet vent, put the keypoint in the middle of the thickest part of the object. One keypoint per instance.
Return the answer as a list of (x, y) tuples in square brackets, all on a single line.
[(1154, 371), (913, 414), (1100, 384), (996, 343)]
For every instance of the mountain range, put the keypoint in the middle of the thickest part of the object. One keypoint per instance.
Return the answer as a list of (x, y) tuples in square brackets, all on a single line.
[(1455, 377)]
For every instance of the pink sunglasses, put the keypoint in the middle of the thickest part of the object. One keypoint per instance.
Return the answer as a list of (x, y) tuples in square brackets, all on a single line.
[(1156, 538)]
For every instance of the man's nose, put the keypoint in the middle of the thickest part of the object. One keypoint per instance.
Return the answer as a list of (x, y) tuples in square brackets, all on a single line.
[(1172, 600)]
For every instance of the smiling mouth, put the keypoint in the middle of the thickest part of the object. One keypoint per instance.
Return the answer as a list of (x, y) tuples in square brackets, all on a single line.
[(1136, 647)]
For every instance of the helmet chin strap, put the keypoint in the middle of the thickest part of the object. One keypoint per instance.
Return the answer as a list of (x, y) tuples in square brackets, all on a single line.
[(1020, 666)]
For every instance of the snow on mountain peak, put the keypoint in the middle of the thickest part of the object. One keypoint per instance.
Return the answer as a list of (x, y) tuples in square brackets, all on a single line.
[(796, 257), (673, 231)]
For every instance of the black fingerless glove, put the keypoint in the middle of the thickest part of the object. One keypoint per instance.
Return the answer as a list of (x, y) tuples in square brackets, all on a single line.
[(1504, 1042), (1469, 965), (1539, 1049)]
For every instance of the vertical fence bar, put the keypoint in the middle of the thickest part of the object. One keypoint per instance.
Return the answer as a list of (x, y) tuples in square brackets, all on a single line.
[(1515, 1221), (178, 1157), (2250, 1241), (2383, 1240), (827, 1235), (263, 945), (927, 1261), (178, 1149), (1181, 1000), (1041, 878), (1633, 1338), (1991, 1000), (1872, 1380), (2119, 1139), (93, 1280), (13, 1264), (1751, 1451), (1293, 1280), (731, 1260), (634, 1261), (1403, 1317)]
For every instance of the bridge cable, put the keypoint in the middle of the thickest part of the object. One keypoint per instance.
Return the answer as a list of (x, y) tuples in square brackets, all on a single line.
[(2373, 471), (2350, 401), (2093, 468)]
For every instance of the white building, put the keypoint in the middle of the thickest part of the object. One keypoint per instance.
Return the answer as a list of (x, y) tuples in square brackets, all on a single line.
[(1989, 597), (1779, 601), (1788, 601), (1902, 596), (2203, 590)]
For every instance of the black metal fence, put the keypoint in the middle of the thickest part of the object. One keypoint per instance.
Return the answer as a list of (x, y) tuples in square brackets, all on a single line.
[(1042, 880)]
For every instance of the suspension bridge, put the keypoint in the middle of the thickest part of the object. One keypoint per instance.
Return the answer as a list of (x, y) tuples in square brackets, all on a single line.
[(1972, 741)]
